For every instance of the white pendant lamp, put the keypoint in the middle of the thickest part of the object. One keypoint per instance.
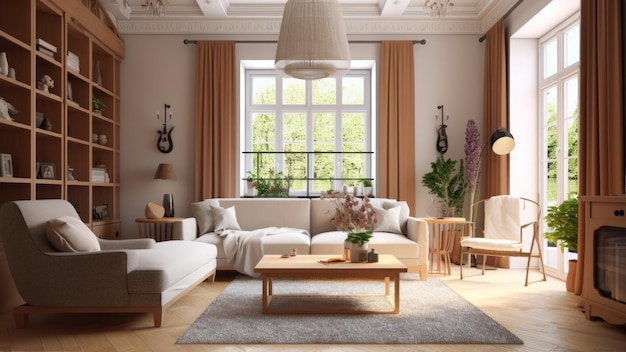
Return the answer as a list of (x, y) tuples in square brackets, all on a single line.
[(312, 43)]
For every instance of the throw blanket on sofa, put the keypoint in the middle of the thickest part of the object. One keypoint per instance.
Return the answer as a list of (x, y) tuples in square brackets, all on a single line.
[(245, 249)]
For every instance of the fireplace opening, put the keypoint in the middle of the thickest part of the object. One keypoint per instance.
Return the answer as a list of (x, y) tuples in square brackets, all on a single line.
[(610, 262)]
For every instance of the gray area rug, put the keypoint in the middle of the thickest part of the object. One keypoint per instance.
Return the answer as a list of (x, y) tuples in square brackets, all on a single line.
[(430, 313)]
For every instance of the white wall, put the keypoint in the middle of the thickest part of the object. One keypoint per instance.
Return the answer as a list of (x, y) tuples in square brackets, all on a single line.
[(159, 69)]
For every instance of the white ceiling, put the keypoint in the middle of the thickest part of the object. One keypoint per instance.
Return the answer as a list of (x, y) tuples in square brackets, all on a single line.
[(263, 16)]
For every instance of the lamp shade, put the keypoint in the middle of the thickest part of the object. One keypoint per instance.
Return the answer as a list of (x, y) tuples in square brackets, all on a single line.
[(502, 142), (312, 43), (165, 172)]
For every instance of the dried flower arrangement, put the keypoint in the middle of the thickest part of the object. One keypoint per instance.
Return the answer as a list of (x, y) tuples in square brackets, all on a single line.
[(353, 215)]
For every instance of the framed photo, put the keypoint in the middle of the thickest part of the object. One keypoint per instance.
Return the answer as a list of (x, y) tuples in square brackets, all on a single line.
[(6, 169), (47, 171), (100, 212)]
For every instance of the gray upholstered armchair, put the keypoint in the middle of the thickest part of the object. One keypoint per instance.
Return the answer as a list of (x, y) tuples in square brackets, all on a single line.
[(136, 275)]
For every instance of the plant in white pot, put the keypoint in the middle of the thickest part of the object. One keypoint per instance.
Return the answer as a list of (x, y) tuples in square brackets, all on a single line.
[(562, 220), (356, 217)]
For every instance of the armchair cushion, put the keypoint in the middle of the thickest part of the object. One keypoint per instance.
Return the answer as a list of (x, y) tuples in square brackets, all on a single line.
[(70, 234), (492, 244), (204, 216)]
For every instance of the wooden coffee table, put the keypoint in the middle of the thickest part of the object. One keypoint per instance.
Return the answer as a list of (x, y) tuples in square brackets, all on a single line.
[(308, 267)]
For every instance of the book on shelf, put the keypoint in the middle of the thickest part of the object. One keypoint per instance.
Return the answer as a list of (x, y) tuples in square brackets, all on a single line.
[(44, 44), (45, 51)]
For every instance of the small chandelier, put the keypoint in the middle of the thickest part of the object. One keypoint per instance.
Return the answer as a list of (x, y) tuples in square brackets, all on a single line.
[(156, 7), (438, 8), (312, 43)]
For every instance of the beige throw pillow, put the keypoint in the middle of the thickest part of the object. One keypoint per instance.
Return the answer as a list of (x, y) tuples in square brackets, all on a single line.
[(225, 219), (203, 214), (69, 234), (388, 220)]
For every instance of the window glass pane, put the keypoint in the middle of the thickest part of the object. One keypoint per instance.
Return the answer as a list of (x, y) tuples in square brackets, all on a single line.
[(353, 90), (325, 91), (551, 183), (571, 126), (572, 177), (353, 132), (549, 105), (571, 98), (550, 58), (263, 140), (294, 137), (294, 91), (323, 141), (572, 46), (263, 90)]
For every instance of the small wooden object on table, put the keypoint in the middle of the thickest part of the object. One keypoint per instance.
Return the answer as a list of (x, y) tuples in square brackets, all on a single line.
[(159, 229), (309, 267), (442, 242)]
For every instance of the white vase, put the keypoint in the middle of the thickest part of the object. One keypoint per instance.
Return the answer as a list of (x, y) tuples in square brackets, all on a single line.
[(4, 64), (358, 253)]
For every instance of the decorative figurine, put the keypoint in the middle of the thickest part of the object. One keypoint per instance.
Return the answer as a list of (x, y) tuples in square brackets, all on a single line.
[(45, 83)]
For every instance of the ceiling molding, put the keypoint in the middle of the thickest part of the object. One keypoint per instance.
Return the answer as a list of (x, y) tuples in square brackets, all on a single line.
[(271, 26)]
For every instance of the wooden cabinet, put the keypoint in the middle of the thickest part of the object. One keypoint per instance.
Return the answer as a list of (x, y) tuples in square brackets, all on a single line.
[(56, 129)]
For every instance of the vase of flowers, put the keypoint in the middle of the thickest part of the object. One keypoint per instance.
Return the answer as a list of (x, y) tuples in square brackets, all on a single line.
[(356, 217)]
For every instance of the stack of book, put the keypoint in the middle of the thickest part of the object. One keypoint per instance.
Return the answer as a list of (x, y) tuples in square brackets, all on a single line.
[(73, 62), (99, 174), (46, 48)]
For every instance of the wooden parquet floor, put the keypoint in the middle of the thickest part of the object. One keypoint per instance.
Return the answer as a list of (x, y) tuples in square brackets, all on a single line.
[(543, 315)]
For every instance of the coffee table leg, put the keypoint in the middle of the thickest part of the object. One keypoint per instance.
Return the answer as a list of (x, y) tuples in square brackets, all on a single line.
[(396, 293), (267, 284)]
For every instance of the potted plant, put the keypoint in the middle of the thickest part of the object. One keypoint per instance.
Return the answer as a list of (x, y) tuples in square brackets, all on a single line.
[(562, 220), (447, 184), (367, 187), (97, 105)]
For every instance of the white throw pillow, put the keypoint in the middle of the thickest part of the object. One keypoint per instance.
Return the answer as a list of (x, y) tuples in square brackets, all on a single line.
[(69, 234), (388, 220), (203, 214), (225, 219), (404, 212)]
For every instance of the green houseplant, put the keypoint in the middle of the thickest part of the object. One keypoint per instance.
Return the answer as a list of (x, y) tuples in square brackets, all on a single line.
[(562, 220), (447, 183), (97, 104)]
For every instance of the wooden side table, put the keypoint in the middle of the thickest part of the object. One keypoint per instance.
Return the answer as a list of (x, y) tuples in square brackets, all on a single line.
[(159, 229), (442, 242)]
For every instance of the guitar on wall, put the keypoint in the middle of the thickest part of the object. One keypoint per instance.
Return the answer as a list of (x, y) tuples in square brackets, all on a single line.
[(165, 143)]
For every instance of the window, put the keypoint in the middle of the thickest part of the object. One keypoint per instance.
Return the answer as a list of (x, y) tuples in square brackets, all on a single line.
[(559, 95), (317, 134)]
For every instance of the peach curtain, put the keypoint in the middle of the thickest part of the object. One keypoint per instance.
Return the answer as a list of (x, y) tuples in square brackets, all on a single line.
[(396, 124), (216, 120), (495, 168), (601, 153)]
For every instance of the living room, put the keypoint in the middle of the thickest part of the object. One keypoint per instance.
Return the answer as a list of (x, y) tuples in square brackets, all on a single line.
[(159, 68)]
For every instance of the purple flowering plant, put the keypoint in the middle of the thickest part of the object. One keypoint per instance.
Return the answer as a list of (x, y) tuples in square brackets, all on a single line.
[(473, 151)]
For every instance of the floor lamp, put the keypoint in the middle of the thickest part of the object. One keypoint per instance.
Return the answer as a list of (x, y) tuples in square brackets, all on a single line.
[(166, 172)]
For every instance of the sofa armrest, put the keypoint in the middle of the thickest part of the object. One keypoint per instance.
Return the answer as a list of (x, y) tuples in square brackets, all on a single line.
[(186, 229), (137, 243), (417, 230)]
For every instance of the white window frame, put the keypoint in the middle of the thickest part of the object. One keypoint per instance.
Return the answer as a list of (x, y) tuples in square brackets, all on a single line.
[(310, 109), (562, 75)]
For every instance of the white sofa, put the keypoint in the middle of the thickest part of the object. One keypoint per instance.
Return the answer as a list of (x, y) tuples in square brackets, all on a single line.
[(312, 215)]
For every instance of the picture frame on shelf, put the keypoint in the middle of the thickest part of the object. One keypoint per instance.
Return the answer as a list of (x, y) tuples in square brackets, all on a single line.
[(100, 212), (7, 165), (47, 171)]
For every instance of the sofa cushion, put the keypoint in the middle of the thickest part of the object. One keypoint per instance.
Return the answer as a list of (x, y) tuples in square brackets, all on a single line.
[(274, 244), (70, 234), (388, 220), (166, 263), (383, 242), (204, 217), (225, 218)]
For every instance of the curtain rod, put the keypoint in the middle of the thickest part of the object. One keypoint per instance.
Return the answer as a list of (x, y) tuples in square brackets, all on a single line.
[(484, 36), (191, 41)]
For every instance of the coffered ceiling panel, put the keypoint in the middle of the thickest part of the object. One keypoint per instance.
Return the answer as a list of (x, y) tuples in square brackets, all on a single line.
[(263, 16)]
